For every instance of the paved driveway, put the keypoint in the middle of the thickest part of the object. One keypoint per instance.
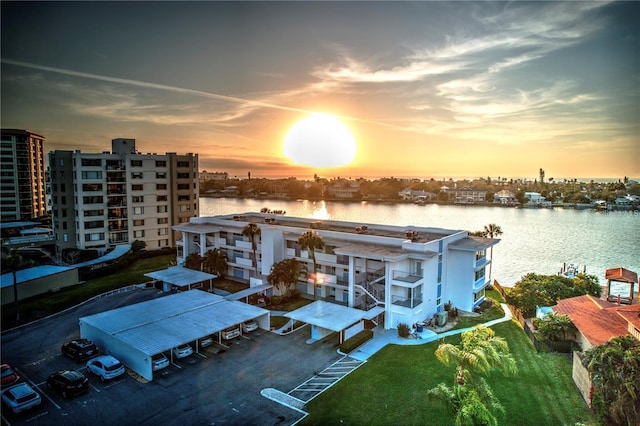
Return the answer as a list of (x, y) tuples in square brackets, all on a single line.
[(220, 386)]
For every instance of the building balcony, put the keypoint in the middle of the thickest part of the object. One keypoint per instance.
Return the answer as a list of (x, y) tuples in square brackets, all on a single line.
[(406, 302), (406, 279)]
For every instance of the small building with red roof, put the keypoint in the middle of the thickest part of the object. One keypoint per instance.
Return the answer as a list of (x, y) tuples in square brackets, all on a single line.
[(620, 275)]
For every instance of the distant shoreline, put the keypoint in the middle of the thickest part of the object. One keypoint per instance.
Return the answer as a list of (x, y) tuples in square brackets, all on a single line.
[(577, 206)]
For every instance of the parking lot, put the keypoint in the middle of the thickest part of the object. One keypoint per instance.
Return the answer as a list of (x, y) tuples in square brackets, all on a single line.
[(219, 385)]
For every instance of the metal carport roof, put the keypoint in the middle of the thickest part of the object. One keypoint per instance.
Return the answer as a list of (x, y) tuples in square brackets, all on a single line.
[(327, 315), (180, 276), (161, 324)]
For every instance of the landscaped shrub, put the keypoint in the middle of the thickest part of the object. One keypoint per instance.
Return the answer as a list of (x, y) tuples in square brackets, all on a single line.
[(403, 330), (356, 341)]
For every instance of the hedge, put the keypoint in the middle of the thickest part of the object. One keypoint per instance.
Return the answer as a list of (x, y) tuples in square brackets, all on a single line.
[(356, 341)]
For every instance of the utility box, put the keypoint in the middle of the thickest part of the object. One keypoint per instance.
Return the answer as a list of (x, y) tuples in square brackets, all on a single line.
[(441, 318)]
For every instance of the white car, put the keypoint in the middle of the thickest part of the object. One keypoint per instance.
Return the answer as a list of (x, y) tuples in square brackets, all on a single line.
[(20, 397), (159, 361), (205, 341), (106, 367), (250, 325), (230, 333), (182, 351)]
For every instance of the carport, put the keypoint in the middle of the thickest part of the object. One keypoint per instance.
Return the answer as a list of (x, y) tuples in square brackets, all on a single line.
[(325, 318), (135, 333), (181, 277)]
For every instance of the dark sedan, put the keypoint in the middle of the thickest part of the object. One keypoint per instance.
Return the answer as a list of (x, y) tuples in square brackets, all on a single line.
[(68, 382)]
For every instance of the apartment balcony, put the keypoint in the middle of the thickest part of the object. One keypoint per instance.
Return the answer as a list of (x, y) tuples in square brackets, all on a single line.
[(480, 283), (406, 279), (243, 262), (406, 302), (243, 244), (482, 262)]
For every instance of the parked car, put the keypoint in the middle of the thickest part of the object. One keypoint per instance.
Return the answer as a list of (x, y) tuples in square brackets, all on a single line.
[(159, 361), (182, 351), (205, 341), (68, 382), (80, 349), (250, 325), (106, 367), (20, 397), (230, 332), (9, 375)]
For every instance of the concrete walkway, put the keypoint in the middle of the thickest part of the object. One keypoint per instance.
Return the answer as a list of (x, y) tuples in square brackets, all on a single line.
[(382, 337)]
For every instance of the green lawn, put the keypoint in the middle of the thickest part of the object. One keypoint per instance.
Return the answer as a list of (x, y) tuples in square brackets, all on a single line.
[(50, 303), (391, 388)]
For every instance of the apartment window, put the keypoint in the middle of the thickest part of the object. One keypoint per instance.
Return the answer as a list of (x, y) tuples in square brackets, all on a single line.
[(183, 198), (92, 200), (163, 231), (136, 175), (163, 220), (63, 200), (183, 175), (183, 186), (94, 237), (91, 162), (138, 234), (481, 254), (136, 163), (183, 219), (93, 212), (162, 209), (161, 186), (480, 274), (137, 187), (91, 187), (138, 210), (160, 163), (183, 164), (161, 175), (137, 199), (479, 295), (138, 222), (61, 162), (163, 243), (183, 208), (63, 187), (94, 224), (161, 198), (64, 225)]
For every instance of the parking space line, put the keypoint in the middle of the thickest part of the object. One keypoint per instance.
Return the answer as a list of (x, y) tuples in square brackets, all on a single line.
[(37, 386), (177, 365), (96, 389), (202, 355)]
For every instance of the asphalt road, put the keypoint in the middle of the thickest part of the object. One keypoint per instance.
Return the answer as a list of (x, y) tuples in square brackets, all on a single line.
[(218, 387)]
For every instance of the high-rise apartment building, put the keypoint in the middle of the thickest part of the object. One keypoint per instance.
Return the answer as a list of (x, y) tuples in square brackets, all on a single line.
[(105, 199), (22, 183)]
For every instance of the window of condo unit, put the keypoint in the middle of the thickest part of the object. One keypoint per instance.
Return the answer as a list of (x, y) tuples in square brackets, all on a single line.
[(136, 163), (160, 163), (138, 187)]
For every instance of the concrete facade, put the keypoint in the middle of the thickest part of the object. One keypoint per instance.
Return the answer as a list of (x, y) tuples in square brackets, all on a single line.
[(408, 273)]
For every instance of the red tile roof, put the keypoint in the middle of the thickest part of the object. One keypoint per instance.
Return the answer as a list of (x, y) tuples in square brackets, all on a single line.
[(621, 274), (597, 319)]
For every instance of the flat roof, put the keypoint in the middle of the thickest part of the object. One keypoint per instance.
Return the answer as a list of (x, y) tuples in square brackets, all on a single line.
[(25, 275), (327, 315), (161, 324), (118, 251), (10, 225), (180, 276), (473, 243), (248, 292), (380, 252)]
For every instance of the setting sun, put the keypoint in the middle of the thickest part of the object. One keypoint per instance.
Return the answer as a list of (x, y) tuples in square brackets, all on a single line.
[(320, 141)]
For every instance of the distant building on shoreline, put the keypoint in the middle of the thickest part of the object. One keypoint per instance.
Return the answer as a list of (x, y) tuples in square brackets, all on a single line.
[(22, 181), (100, 200)]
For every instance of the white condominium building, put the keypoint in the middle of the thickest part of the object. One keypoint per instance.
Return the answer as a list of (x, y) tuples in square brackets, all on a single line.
[(397, 274), (105, 199), (22, 176)]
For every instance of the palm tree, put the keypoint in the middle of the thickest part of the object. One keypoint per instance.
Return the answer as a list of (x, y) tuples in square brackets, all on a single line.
[(311, 241), (479, 351), (215, 262), (285, 274), (14, 263), (193, 261), (471, 405), (252, 231), (492, 230)]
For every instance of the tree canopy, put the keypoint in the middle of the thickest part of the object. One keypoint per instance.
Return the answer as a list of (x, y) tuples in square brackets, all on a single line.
[(615, 372), (545, 290)]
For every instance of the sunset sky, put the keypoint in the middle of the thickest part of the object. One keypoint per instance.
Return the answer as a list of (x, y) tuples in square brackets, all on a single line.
[(427, 89)]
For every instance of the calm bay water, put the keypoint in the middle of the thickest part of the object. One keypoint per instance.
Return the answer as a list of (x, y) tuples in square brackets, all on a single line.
[(533, 240)]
